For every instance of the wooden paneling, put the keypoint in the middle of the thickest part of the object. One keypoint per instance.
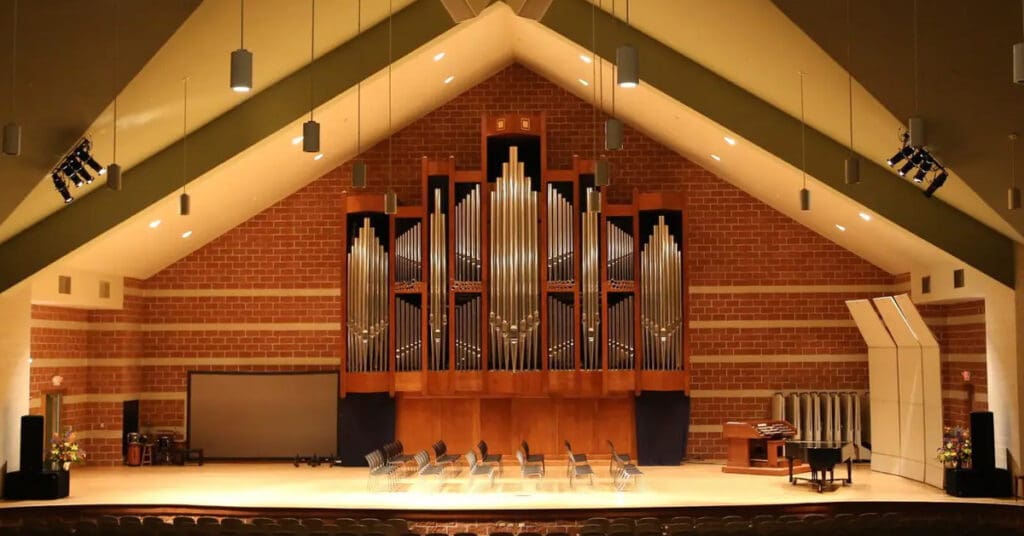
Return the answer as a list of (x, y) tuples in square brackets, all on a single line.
[(588, 423)]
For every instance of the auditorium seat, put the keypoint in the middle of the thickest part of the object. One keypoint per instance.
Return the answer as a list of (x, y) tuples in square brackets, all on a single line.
[(602, 521), (400, 525), (464, 534)]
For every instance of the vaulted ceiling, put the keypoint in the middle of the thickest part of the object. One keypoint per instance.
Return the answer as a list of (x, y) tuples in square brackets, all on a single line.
[(717, 78)]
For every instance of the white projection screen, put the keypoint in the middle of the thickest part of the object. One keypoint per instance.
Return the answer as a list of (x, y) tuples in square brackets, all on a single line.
[(263, 415)]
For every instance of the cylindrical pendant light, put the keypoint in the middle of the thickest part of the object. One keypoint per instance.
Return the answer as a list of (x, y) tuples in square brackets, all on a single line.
[(915, 126), (359, 174), (1018, 57), (114, 169), (613, 133), (390, 199), (311, 136), (311, 129), (114, 177), (241, 59), (593, 200), (805, 194), (184, 204), (602, 173), (390, 202), (1013, 194), (359, 166), (627, 61), (12, 139), (851, 168), (12, 130)]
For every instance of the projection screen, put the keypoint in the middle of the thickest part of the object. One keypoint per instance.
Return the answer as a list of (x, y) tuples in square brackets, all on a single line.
[(263, 415)]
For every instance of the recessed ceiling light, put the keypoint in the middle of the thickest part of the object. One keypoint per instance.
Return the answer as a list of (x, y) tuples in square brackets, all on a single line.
[(586, 59), (154, 224), (296, 140), (730, 141), (840, 227), (865, 216), (318, 156), (439, 56), (584, 82), (716, 157), (449, 79), (186, 234)]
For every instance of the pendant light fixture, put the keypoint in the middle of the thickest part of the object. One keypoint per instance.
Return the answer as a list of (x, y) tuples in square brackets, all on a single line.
[(1018, 58), (915, 125), (359, 166), (601, 171), (805, 194), (851, 169), (184, 201), (613, 129), (390, 198), (114, 169), (1013, 194), (311, 129), (241, 59), (628, 60), (12, 130)]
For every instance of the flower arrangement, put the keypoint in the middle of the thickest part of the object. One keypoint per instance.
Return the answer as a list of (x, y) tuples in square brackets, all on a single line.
[(955, 451), (64, 449)]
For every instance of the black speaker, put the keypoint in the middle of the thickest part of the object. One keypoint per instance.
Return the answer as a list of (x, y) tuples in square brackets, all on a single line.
[(21, 486), (983, 441), (31, 443)]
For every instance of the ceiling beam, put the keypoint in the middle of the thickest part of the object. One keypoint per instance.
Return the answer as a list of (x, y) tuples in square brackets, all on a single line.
[(774, 130), (218, 141)]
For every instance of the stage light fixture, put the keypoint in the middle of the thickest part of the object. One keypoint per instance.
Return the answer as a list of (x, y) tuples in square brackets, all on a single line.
[(82, 154), (69, 171), (61, 187), (937, 183), (907, 168), (900, 155)]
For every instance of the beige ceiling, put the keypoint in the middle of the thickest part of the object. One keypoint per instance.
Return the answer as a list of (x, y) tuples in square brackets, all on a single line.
[(274, 168), (66, 77), (150, 109), (756, 46)]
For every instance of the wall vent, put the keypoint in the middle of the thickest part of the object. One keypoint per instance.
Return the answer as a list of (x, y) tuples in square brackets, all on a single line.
[(105, 289), (958, 278), (926, 284)]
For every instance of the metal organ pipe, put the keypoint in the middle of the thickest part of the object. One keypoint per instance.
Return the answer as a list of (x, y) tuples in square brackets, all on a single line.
[(514, 290), (438, 319), (408, 346), (661, 271), (408, 255), (560, 250), (467, 237), (367, 299)]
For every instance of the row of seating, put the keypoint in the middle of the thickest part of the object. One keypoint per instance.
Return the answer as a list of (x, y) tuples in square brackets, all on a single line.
[(388, 464)]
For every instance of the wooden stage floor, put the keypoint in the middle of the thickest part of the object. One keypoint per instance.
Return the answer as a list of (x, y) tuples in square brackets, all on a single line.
[(283, 485)]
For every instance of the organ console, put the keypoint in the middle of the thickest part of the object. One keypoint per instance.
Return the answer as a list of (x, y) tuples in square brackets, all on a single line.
[(758, 448)]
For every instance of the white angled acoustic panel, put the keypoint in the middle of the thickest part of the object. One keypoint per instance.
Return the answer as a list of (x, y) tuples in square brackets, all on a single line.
[(883, 374)]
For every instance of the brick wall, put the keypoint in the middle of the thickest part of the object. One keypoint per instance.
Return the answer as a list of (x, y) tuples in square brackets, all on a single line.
[(960, 330), (265, 295)]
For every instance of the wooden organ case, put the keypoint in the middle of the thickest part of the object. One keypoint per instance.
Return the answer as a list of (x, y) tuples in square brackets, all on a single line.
[(513, 302)]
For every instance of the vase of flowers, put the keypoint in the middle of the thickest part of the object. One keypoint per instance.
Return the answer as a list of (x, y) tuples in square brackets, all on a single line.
[(955, 455), (64, 450)]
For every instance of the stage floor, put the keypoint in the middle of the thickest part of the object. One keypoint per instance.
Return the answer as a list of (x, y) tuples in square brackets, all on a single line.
[(283, 485)]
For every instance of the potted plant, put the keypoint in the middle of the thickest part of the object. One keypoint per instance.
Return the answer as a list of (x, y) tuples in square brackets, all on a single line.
[(64, 451), (955, 455)]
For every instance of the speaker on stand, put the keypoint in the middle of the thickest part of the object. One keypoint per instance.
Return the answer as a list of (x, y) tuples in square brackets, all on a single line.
[(32, 443)]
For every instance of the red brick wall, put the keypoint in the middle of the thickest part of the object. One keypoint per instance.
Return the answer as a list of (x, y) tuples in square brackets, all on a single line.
[(733, 241), (960, 330)]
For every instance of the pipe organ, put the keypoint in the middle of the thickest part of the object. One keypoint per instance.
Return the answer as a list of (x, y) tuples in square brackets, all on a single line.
[(515, 312), (367, 303), (518, 282), (661, 265)]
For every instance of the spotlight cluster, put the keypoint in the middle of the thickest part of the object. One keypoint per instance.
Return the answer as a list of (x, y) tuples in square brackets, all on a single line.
[(73, 169), (920, 158)]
